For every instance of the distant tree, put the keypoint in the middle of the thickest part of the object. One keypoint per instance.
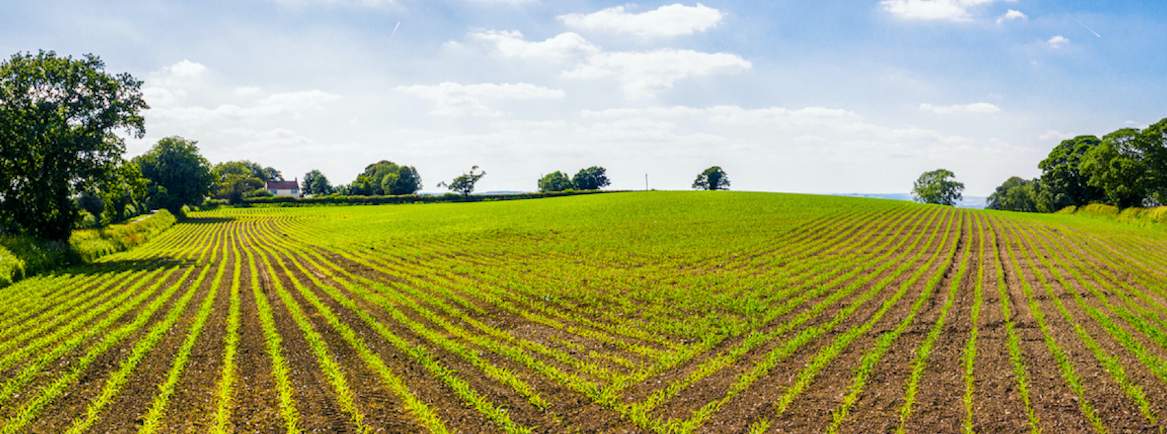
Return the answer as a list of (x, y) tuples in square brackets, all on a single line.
[(386, 177), (555, 181), (1061, 175), (93, 204), (236, 180), (178, 174), (712, 178), (58, 119), (315, 183), (592, 178), (125, 192), (938, 187), (1119, 168), (1016, 194), (464, 183)]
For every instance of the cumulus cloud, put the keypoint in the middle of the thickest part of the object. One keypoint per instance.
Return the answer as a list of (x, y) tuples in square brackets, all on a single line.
[(1058, 41), (640, 73), (457, 99), (644, 73), (1012, 15), (512, 44), (976, 107), (933, 10), (665, 21)]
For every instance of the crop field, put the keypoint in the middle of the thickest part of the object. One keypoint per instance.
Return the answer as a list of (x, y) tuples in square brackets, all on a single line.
[(623, 312)]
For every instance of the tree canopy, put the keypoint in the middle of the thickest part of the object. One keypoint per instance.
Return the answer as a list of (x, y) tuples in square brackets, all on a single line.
[(236, 180), (386, 178), (713, 178), (938, 187), (555, 181), (1117, 167), (464, 184), (58, 122), (315, 183), (178, 174), (1061, 176), (591, 178), (1017, 194)]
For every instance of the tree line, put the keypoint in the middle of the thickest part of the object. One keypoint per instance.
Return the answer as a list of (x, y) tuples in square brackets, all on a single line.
[(1126, 168)]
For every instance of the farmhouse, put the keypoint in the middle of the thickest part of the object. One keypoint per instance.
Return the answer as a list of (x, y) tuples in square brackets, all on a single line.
[(284, 188)]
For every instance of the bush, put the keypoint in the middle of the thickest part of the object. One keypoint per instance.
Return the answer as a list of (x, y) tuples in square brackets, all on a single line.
[(22, 256), (91, 244)]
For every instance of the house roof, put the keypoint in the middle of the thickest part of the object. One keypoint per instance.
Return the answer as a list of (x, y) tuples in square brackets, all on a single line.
[(283, 185)]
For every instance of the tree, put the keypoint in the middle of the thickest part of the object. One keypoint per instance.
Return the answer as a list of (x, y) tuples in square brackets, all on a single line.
[(712, 178), (1017, 194), (92, 203), (386, 177), (1061, 175), (236, 180), (178, 174), (464, 183), (1153, 142), (1119, 168), (124, 192), (315, 183), (58, 119), (938, 187), (592, 178), (555, 181)]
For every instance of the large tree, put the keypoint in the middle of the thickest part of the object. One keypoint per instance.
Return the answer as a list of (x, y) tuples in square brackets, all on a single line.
[(1153, 143), (592, 178), (938, 187), (1118, 167), (58, 121), (315, 183), (1063, 183), (178, 174), (713, 178), (235, 180), (555, 181)]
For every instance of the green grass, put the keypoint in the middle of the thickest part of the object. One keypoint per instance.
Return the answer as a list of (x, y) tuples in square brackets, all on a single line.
[(646, 312)]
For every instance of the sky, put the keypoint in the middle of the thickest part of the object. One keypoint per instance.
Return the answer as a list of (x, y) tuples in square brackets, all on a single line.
[(827, 96)]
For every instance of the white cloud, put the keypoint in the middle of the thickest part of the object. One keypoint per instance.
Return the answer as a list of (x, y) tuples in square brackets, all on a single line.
[(933, 10), (457, 99), (644, 73), (665, 21), (640, 73), (1012, 15), (1058, 41), (1049, 135), (560, 47), (976, 107)]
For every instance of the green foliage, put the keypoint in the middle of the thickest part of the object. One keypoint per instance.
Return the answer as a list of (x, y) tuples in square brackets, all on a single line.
[(93, 204), (384, 178), (337, 199), (236, 180), (938, 187), (58, 122), (1062, 180), (178, 174), (591, 178), (1118, 168), (555, 181), (124, 192), (22, 256), (1017, 194), (315, 183), (464, 184), (91, 244), (713, 178)]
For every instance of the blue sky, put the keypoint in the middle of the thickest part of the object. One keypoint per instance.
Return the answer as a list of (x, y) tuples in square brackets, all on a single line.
[(825, 96)]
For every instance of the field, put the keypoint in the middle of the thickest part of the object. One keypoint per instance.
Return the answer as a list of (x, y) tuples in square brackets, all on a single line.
[(624, 312)]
